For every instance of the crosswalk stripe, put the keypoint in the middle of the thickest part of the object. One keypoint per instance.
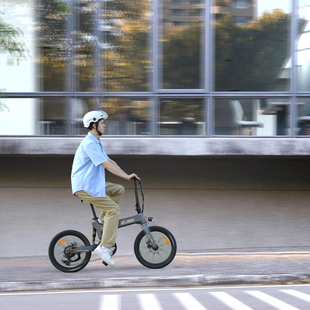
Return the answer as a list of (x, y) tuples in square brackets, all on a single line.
[(189, 302), (111, 302), (297, 294), (230, 301), (149, 302), (271, 300)]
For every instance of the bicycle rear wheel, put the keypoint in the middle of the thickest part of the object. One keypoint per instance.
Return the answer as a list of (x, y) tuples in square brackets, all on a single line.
[(59, 251), (161, 257)]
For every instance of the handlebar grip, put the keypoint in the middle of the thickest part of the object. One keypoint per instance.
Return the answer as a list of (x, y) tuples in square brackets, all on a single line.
[(134, 179)]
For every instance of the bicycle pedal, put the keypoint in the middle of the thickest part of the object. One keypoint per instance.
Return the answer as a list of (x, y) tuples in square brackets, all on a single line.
[(104, 263)]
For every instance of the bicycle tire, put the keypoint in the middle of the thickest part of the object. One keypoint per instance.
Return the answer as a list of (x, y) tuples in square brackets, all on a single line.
[(155, 259), (58, 251)]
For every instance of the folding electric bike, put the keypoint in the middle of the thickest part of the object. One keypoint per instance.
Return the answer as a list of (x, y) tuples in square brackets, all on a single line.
[(154, 247)]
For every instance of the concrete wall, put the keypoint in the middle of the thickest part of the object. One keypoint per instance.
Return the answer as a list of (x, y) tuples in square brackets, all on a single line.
[(169, 172), (178, 146), (207, 202)]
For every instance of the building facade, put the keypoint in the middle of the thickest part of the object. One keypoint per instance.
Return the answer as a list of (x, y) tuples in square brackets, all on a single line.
[(177, 77)]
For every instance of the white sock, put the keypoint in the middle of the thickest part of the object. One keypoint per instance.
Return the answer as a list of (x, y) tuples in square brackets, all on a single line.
[(100, 222)]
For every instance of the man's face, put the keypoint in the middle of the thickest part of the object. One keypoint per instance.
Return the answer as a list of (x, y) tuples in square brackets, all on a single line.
[(101, 126)]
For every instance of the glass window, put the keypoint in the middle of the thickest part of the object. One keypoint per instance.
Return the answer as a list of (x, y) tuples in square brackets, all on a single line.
[(18, 46), (87, 42), (177, 12), (55, 116), (127, 116), (303, 52), (252, 49), (182, 45), (125, 27), (252, 117), (181, 117), (242, 4), (303, 122), (54, 44), (26, 113)]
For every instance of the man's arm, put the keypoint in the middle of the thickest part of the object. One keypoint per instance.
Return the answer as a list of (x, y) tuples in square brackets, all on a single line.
[(114, 168)]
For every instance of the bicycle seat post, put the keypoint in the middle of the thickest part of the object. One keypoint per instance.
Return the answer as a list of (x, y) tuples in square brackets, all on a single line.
[(94, 213)]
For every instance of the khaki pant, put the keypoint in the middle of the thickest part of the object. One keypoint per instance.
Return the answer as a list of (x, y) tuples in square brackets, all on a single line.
[(109, 207)]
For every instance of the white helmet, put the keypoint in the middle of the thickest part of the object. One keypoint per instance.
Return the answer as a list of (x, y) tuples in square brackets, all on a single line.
[(93, 117)]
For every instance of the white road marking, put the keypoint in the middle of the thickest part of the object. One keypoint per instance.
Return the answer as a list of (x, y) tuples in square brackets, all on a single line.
[(297, 294), (230, 301), (189, 302), (111, 302), (149, 302), (271, 300)]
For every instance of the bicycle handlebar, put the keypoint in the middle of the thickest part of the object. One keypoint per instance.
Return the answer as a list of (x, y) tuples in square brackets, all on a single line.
[(134, 179), (137, 195)]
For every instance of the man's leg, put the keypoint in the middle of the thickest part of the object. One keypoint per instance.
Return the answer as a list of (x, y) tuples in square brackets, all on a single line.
[(110, 211), (115, 192)]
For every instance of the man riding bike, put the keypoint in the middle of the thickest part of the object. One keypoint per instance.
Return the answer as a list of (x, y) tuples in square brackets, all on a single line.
[(88, 181)]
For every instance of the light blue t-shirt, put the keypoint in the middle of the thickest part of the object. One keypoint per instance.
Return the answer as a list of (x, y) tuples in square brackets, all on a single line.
[(87, 173)]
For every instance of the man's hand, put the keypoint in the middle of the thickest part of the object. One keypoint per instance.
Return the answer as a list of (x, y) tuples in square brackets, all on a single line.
[(133, 175)]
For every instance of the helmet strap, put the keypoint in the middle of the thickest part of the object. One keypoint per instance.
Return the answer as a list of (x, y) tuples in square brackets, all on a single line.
[(99, 133)]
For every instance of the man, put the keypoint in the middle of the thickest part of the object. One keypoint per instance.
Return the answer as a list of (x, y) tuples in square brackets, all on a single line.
[(88, 181)]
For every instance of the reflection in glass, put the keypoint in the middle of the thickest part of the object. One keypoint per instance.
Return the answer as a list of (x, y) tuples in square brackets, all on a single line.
[(252, 45), (242, 4), (303, 121), (181, 117), (127, 116), (182, 44), (17, 46), (125, 27), (87, 39), (303, 53), (253, 117), (53, 116), (54, 38)]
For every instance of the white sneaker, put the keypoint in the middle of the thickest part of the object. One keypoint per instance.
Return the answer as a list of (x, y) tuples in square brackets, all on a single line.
[(105, 255)]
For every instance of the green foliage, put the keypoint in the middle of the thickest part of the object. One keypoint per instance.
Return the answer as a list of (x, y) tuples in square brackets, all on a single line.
[(249, 58), (10, 40), (64, 6), (127, 62), (2, 104), (181, 57)]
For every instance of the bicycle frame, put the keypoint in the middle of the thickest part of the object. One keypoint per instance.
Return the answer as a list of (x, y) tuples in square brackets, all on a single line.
[(136, 219)]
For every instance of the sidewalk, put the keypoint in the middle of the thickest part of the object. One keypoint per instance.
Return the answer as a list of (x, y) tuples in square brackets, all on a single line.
[(214, 267)]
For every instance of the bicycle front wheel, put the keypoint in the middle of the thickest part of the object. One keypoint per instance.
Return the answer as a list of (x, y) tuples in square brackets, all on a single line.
[(163, 256), (59, 251)]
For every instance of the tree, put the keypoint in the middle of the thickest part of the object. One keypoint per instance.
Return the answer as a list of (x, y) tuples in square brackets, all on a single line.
[(182, 57), (10, 42), (249, 58), (127, 61)]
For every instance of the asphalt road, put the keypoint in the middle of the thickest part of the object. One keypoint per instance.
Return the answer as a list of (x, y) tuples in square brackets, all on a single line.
[(289, 297)]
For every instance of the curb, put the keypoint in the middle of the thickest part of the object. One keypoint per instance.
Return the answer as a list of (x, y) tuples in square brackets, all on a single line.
[(191, 280)]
